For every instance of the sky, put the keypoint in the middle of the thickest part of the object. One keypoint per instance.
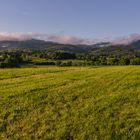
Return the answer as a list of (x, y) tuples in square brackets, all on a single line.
[(68, 20)]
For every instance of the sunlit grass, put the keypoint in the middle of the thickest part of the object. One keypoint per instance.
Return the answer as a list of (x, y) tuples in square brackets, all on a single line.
[(70, 103)]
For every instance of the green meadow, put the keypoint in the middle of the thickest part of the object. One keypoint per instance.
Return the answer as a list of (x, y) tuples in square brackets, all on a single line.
[(70, 103)]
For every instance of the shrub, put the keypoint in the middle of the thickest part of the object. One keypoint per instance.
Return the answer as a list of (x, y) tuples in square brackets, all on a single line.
[(45, 63), (135, 61), (58, 63)]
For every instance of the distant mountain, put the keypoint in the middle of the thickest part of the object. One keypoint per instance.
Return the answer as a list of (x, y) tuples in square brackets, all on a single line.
[(27, 44), (102, 48), (135, 45), (34, 44), (130, 49), (114, 50)]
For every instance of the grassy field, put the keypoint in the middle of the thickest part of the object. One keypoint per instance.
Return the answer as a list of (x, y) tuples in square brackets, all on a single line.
[(80, 103)]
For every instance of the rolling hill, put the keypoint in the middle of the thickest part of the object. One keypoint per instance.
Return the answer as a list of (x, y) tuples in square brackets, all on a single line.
[(43, 45), (103, 48)]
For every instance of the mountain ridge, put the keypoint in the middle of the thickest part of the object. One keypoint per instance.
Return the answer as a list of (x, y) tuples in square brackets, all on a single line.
[(47, 45), (50, 46)]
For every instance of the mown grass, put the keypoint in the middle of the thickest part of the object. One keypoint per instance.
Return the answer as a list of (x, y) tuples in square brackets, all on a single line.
[(70, 103)]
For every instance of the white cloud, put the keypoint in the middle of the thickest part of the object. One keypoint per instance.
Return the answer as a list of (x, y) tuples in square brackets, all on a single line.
[(127, 39), (18, 36), (64, 38), (51, 37), (70, 39)]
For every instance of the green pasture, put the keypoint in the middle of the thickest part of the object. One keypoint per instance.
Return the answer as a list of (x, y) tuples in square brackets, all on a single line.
[(70, 103)]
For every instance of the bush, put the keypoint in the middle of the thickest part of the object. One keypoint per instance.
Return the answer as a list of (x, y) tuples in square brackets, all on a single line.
[(135, 61), (11, 59), (112, 61), (45, 63), (124, 61), (58, 63), (68, 63)]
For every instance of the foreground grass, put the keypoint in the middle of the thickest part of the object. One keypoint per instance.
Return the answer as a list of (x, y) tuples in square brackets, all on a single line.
[(70, 103)]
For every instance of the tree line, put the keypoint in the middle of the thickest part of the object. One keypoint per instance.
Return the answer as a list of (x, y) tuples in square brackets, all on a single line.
[(18, 58)]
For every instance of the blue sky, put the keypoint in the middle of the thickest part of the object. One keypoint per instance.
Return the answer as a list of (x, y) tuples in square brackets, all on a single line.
[(80, 18)]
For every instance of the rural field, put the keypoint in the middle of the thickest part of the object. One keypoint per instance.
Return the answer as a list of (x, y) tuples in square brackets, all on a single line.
[(65, 103)]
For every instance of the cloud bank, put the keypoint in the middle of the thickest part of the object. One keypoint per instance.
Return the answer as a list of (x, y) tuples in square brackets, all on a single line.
[(51, 37), (127, 40), (70, 39), (65, 38), (18, 36)]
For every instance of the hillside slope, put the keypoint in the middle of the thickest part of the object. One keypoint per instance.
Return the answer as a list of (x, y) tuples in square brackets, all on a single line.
[(102, 48), (43, 45)]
